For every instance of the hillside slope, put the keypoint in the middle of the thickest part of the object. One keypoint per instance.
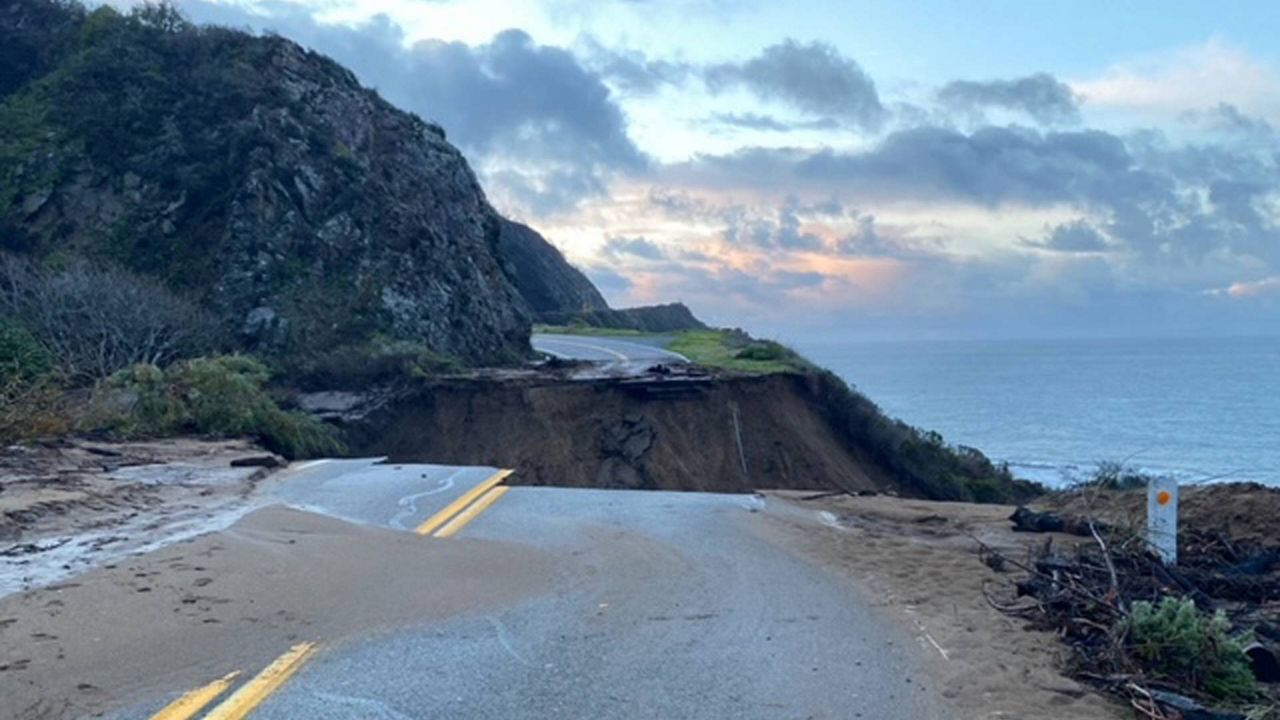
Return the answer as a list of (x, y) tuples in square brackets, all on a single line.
[(262, 181)]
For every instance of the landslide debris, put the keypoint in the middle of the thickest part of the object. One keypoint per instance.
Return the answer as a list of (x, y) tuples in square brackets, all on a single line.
[(1198, 639)]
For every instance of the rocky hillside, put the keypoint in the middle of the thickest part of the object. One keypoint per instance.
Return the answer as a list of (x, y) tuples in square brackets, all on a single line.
[(547, 283), (262, 181)]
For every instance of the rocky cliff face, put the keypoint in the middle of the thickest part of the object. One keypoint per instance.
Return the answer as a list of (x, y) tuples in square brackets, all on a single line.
[(547, 283), (262, 180)]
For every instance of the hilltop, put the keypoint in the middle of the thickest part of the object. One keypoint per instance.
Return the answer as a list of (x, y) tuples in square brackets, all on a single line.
[(262, 182)]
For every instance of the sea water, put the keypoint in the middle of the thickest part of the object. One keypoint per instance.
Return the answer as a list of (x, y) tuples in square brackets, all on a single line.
[(1198, 410)]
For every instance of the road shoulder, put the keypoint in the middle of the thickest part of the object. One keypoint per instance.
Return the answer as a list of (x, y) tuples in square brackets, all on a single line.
[(917, 562)]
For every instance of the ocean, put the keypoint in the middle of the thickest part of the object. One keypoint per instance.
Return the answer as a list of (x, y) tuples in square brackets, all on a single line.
[(1198, 410)]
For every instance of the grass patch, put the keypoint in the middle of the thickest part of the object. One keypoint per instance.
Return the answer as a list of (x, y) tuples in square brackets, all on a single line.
[(737, 351)]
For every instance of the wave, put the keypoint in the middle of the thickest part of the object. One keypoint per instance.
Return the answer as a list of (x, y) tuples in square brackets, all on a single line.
[(1063, 474)]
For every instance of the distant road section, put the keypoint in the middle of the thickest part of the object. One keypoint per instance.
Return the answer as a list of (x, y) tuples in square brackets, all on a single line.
[(632, 349)]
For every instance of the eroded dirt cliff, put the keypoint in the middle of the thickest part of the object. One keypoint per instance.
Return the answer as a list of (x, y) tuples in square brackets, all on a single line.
[(734, 434)]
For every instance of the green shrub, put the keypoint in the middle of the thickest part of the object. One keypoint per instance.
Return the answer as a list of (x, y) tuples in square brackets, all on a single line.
[(763, 351), (1178, 642), (222, 396), (32, 409), (22, 357)]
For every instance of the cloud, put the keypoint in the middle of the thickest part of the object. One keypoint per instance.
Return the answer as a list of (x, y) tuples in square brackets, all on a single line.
[(543, 130), (638, 247), (870, 240), (1253, 288), (1185, 79), (1077, 236), (989, 166), (814, 78), (783, 232), (1043, 97), (1166, 216), (1229, 120), (757, 121), (631, 71)]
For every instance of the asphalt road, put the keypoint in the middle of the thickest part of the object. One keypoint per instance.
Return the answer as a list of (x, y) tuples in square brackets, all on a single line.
[(639, 349), (664, 605)]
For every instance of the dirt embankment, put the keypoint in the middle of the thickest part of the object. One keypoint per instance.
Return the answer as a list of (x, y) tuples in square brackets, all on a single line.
[(734, 434)]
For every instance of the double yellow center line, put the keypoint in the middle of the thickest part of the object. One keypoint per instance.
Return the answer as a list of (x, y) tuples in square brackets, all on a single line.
[(466, 508), (253, 693), (242, 701)]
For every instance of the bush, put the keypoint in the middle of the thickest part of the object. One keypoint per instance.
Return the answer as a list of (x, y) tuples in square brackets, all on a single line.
[(763, 351), (1179, 643), (219, 396), (96, 319), (22, 357), (31, 409), (1112, 475)]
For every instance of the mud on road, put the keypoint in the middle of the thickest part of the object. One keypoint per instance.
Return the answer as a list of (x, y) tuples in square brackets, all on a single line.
[(67, 506)]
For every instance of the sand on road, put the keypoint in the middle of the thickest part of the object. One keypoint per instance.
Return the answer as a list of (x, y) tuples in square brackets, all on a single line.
[(176, 618)]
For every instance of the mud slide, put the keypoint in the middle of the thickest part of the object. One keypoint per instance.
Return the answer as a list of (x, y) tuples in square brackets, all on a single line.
[(731, 435)]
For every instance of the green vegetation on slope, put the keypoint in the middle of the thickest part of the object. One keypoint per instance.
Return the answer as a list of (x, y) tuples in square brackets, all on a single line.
[(737, 351), (922, 460), (219, 397)]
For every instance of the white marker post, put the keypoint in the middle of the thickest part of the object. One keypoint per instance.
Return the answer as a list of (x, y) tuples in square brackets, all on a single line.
[(1162, 518)]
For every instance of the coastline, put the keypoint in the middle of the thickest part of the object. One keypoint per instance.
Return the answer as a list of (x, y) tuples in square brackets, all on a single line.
[(1195, 410)]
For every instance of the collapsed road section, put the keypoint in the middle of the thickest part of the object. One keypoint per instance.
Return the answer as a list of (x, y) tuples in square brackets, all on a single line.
[(664, 430)]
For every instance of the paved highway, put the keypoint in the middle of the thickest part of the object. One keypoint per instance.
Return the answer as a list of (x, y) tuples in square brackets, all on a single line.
[(626, 349), (661, 605)]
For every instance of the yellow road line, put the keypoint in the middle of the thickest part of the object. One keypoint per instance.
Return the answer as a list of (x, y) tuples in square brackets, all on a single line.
[(472, 512), (194, 701), (252, 693), (452, 508)]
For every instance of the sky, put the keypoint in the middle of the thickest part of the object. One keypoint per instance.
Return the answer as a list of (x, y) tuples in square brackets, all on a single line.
[(860, 170)]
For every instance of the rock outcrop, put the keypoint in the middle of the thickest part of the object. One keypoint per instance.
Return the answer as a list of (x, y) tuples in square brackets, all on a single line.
[(548, 284)]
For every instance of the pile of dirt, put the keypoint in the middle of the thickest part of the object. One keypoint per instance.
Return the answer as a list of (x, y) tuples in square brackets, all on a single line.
[(1245, 512), (735, 434), (1202, 633)]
